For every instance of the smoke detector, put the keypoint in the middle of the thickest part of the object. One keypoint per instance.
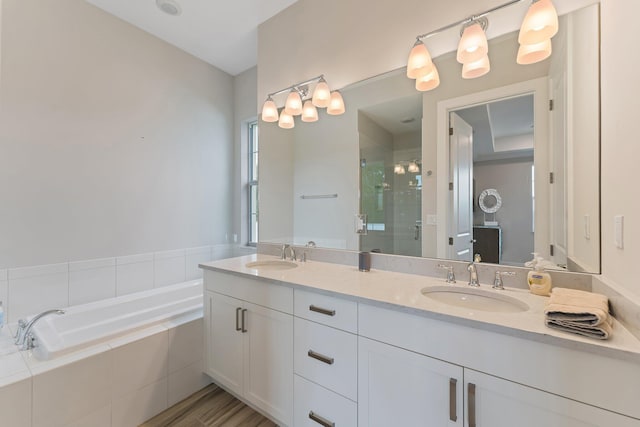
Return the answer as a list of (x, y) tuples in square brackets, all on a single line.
[(169, 7)]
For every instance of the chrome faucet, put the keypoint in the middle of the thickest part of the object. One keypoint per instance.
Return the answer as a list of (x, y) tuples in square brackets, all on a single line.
[(24, 337), (283, 252), (473, 275), (497, 282), (451, 278)]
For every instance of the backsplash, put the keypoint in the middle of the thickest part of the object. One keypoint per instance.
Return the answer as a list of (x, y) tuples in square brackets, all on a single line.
[(429, 267), (29, 290)]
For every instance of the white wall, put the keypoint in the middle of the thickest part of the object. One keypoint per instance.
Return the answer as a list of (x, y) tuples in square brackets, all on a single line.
[(112, 142), (620, 150)]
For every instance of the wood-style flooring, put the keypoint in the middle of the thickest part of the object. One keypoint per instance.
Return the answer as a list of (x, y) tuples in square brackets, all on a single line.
[(211, 406)]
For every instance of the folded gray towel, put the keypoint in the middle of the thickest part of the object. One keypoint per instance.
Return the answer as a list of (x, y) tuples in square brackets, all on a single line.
[(579, 312)]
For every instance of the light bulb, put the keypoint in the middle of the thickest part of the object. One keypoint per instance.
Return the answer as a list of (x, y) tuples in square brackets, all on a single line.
[(419, 62), (532, 53), (473, 44), (336, 104), (269, 111), (539, 24), (293, 105), (309, 112), (428, 81), (286, 120), (321, 94), (477, 68)]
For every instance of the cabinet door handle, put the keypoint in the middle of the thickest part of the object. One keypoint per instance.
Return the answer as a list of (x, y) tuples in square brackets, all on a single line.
[(321, 310), (320, 357), (453, 401), (320, 420), (471, 388), (238, 310), (244, 319)]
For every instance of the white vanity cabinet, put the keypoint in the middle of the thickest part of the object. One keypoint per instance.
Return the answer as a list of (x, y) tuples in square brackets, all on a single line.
[(325, 361), (405, 368), (496, 402), (397, 387), (249, 341)]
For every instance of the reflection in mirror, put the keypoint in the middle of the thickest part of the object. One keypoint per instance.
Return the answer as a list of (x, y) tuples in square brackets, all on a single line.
[(390, 140), (547, 176)]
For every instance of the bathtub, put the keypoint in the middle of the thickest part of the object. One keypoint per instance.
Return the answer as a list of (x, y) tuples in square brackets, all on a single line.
[(97, 322)]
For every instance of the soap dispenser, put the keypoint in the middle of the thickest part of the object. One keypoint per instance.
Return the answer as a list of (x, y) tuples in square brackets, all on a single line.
[(538, 279)]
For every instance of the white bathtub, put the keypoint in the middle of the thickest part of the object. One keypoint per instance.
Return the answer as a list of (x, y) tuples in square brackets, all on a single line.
[(88, 324)]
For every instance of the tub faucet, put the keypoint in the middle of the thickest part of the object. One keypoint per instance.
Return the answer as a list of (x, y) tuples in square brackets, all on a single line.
[(24, 337)]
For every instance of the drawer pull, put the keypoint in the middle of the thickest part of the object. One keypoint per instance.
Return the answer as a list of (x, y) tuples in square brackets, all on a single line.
[(472, 404), (238, 310), (322, 421), (244, 328), (452, 400), (321, 310), (320, 357)]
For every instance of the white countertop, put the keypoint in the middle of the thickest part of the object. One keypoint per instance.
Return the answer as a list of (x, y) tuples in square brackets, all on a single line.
[(402, 291)]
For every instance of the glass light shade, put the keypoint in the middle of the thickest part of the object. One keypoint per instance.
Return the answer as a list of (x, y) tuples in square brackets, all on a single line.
[(321, 95), (532, 53), (539, 24), (475, 69), (286, 120), (398, 170), (336, 105), (293, 105), (413, 167), (473, 44), (428, 81), (269, 111), (309, 112), (419, 61)]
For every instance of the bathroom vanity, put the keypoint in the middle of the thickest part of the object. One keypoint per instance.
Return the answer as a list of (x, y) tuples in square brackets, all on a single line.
[(321, 344)]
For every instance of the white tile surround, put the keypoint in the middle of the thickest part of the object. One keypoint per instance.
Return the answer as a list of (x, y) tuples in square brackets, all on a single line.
[(28, 290), (120, 383)]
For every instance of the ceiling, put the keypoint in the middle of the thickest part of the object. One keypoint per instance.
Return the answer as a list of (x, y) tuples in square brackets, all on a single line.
[(222, 33), (399, 115)]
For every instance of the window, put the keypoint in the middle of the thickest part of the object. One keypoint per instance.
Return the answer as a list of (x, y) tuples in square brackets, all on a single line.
[(252, 183)]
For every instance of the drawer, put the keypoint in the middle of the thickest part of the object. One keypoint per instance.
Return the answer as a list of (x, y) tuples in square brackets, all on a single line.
[(327, 408), (336, 312), (256, 291), (326, 356)]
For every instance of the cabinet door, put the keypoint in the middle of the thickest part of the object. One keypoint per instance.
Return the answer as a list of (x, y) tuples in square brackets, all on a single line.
[(224, 340), (268, 361), (398, 387), (494, 402)]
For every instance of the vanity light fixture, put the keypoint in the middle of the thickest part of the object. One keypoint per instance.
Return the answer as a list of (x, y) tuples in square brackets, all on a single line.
[(309, 112), (299, 103), (539, 25), (336, 104), (398, 169), (293, 105), (413, 167), (286, 120), (269, 110), (473, 44)]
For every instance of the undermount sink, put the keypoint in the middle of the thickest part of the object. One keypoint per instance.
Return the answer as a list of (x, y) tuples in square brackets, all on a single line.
[(475, 299), (272, 264)]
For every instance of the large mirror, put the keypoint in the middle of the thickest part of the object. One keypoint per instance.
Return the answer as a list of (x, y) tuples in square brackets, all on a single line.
[(483, 167)]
